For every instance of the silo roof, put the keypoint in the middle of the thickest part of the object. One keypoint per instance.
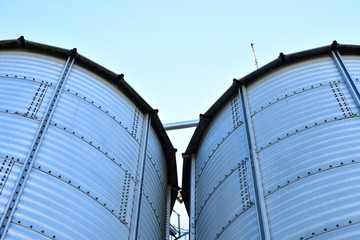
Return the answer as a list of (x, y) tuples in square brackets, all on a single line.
[(206, 118), (117, 80)]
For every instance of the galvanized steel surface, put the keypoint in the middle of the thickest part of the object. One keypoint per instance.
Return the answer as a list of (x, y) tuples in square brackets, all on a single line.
[(352, 63), (306, 132), (30, 66), (82, 181), (12, 205), (303, 134), (243, 227), (153, 221), (227, 184)]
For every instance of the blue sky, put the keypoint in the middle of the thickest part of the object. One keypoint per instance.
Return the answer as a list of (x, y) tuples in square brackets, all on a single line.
[(180, 56)]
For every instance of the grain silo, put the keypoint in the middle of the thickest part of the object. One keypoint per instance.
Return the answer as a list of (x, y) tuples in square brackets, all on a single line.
[(83, 155), (277, 156)]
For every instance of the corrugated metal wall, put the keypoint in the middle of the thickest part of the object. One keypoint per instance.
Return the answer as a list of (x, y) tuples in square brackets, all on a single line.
[(306, 135), (82, 181), (352, 63), (153, 204), (224, 190), (26, 85)]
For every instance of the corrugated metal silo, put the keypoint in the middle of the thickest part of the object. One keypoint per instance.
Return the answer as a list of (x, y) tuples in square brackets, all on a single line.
[(277, 156), (83, 155)]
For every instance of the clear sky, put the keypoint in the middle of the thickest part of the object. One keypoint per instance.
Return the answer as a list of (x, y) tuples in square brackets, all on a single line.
[(180, 56)]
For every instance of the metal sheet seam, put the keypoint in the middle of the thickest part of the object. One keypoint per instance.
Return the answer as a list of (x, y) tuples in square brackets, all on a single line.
[(218, 185), (87, 193), (18, 114), (287, 96), (24, 78), (134, 126), (33, 230), (192, 222), (135, 217), (347, 77), (255, 168), (37, 98), (153, 209), (94, 146), (304, 129), (237, 215), (124, 199), (28, 163), (197, 178), (326, 230), (320, 170), (153, 165), (106, 113), (8, 170)]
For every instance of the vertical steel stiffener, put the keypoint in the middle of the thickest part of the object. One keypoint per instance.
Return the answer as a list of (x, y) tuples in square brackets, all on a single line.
[(300, 128), (75, 141), (10, 208), (346, 76), (140, 180), (256, 174)]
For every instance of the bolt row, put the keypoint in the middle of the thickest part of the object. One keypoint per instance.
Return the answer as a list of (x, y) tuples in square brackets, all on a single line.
[(78, 187), (147, 197), (24, 78), (27, 166), (303, 129), (31, 227), (98, 148), (293, 93), (334, 228), (135, 123), (157, 172), (201, 208), (233, 220), (104, 111), (125, 197), (309, 173), (244, 187), (340, 98), (235, 112), (37, 100), (197, 177), (6, 168)]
